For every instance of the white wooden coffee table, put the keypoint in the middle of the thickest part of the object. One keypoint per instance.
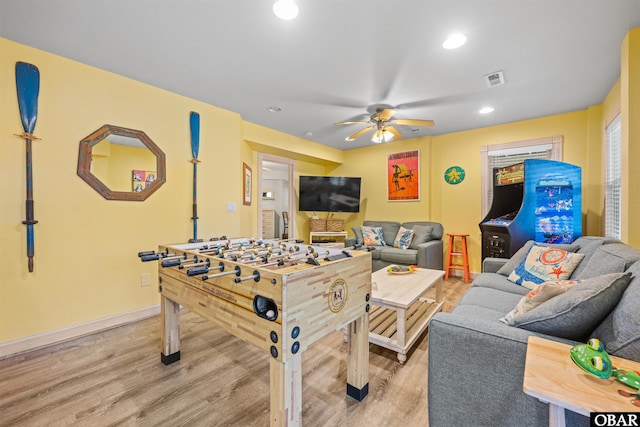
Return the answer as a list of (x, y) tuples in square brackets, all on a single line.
[(400, 312)]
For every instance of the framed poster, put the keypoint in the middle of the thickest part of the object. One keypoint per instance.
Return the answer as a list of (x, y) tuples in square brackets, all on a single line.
[(246, 185), (403, 176), (141, 179)]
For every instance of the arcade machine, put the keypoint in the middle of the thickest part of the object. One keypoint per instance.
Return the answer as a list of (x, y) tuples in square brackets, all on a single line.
[(537, 200)]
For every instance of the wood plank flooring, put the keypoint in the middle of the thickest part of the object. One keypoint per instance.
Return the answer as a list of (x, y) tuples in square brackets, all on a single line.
[(115, 378)]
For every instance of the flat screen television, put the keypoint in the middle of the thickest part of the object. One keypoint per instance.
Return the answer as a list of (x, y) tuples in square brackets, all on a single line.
[(329, 194)]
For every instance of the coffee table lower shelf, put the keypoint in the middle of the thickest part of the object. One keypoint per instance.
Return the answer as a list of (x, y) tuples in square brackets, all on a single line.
[(398, 329)]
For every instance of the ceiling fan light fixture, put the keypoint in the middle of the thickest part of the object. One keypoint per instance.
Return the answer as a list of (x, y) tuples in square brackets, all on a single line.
[(378, 137), (454, 41), (383, 126), (285, 9), (382, 135)]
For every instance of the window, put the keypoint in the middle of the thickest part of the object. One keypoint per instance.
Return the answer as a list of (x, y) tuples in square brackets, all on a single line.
[(510, 153), (613, 180)]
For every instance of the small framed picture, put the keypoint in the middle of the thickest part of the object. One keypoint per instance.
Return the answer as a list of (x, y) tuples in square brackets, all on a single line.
[(246, 185), (141, 179)]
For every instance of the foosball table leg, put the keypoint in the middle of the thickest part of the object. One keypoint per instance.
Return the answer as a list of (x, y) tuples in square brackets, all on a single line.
[(358, 358), (286, 391), (170, 330)]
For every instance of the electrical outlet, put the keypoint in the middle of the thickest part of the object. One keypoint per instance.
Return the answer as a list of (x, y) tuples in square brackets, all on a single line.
[(145, 279)]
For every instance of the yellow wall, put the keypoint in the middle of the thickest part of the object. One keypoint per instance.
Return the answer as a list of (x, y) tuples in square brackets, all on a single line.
[(86, 266), (630, 109), (371, 164), (311, 159), (457, 207), (592, 196), (85, 246)]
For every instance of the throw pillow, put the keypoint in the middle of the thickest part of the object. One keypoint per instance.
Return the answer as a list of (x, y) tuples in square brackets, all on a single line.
[(357, 231), (576, 313), (521, 254), (543, 292), (543, 264), (620, 330), (610, 258), (421, 234), (373, 236), (403, 238)]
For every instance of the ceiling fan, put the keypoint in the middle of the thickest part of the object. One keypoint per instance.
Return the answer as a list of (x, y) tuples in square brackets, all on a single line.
[(382, 121)]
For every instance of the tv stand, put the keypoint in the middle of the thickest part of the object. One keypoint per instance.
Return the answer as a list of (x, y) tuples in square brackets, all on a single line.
[(324, 235)]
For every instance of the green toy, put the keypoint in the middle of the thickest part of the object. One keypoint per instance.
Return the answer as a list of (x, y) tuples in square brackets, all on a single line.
[(592, 358)]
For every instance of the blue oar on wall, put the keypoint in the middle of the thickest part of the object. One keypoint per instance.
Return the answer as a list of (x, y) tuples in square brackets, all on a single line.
[(194, 122), (28, 87)]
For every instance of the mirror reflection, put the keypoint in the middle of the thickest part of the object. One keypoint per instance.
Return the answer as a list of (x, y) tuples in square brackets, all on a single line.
[(121, 163)]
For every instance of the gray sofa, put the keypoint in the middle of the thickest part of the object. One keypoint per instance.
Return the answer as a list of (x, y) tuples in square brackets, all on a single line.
[(476, 361), (425, 250)]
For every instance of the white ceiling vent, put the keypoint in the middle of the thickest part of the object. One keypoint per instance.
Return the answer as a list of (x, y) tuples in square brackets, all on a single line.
[(494, 79)]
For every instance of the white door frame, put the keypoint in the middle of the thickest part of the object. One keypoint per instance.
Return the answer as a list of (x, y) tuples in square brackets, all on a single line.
[(292, 191)]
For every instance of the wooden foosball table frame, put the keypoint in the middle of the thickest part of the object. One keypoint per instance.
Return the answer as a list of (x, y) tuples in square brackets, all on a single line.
[(280, 307)]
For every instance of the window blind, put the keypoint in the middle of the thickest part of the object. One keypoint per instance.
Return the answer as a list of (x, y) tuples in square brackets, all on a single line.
[(613, 180)]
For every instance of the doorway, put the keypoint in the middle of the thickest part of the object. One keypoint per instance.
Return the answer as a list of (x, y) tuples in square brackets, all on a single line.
[(276, 194)]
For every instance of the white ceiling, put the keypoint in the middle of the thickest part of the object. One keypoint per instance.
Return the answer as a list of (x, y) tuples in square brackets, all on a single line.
[(340, 58)]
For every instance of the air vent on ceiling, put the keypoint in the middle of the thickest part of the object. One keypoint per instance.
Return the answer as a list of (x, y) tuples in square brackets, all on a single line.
[(494, 79)]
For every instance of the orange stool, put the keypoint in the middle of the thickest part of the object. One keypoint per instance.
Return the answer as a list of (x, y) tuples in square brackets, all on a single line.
[(462, 253)]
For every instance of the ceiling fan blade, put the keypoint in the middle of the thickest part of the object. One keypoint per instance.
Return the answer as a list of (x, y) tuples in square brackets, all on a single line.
[(413, 122), (352, 123), (394, 131), (386, 114), (359, 133)]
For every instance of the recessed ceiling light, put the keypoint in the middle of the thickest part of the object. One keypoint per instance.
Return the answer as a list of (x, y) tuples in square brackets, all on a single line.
[(308, 133), (285, 9), (486, 110), (274, 109), (454, 41)]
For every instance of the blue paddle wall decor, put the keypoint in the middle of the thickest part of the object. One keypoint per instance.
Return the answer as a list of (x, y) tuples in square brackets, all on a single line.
[(28, 88), (194, 123)]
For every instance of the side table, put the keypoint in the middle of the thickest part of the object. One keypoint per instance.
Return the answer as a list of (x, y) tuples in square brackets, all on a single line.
[(321, 234), (551, 376)]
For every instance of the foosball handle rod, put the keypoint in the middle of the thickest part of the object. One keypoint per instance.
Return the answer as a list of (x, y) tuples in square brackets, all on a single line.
[(204, 270), (235, 271), (255, 276)]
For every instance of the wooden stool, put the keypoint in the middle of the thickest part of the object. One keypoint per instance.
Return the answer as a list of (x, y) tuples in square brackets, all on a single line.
[(463, 253)]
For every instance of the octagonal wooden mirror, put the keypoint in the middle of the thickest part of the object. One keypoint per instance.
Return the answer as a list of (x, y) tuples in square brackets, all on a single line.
[(121, 163)]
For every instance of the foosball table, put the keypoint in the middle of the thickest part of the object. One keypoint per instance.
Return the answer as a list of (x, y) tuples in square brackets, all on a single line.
[(280, 296)]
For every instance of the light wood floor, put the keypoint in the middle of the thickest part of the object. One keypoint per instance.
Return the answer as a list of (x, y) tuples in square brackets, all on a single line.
[(115, 377)]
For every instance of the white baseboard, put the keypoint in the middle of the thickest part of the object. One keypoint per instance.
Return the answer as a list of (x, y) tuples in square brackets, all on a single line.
[(21, 345)]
